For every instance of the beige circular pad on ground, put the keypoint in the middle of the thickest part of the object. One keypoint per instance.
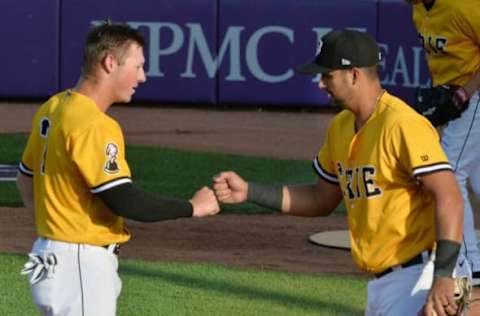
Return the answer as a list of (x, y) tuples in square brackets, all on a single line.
[(333, 238)]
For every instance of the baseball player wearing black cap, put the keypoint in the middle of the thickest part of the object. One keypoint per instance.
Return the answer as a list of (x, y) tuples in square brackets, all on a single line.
[(386, 163)]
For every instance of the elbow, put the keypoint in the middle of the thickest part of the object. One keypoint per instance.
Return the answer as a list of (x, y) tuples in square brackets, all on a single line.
[(25, 187), (20, 182)]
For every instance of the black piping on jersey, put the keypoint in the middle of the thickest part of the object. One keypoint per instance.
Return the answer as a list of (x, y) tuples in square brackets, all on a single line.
[(331, 178), (110, 184), (25, 170), (435, 167), (80, 278), (458, 161)]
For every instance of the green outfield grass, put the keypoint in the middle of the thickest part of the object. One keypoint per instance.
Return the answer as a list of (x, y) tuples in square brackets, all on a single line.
[(205, 289)]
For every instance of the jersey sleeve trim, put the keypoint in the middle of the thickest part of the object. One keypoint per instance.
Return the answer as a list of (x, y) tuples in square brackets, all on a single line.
[(422, 170), (110, 184), (25, 170), (323, 173)]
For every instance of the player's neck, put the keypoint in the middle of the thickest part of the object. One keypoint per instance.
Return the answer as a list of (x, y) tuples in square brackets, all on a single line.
[(367, 105), (93, 89)]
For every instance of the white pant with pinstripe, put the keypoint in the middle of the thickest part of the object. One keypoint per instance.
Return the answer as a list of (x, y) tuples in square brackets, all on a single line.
[(83, 282), (404, 291), (461, 142)]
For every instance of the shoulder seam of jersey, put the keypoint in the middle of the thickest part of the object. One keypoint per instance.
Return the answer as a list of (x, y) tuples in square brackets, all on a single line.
[(110, 184), (323, 173)]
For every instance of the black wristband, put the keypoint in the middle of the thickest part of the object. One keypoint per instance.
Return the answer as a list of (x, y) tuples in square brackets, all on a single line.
[(265, 195), (446, 258)]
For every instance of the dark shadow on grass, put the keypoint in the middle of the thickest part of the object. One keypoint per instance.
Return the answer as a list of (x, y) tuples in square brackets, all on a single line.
[(250, 293)]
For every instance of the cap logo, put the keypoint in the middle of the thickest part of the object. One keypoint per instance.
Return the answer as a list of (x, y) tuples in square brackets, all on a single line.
[(345, 62)]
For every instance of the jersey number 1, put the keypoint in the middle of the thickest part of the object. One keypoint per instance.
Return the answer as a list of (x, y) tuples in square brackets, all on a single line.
[(44, 127)]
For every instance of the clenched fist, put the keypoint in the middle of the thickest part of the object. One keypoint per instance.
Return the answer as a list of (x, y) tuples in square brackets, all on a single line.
[(230, 187), (204, 203)]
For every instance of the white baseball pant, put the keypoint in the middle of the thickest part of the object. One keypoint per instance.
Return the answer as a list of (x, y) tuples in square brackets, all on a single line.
[(461, 143), (73, 279), (404, 291)]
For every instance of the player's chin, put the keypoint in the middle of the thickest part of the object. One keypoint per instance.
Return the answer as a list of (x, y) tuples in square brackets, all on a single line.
[(126, 98), (332, 99)]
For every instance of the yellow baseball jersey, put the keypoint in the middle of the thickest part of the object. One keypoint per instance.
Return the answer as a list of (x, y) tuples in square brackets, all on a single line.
[(391, 219), (75, 150), (450, 34)]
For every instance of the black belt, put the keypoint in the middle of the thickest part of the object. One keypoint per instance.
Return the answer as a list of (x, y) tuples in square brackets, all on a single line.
[(115, 250), (476, 277), (418, 259)]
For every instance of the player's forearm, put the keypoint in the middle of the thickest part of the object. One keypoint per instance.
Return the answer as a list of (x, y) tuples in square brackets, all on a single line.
[(128, 201), (449, 219), (449, 227), (306, 200), (299, 200), (25, 186)]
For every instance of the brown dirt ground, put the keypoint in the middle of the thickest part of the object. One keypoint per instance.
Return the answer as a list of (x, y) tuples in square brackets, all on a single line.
[(271, 242)]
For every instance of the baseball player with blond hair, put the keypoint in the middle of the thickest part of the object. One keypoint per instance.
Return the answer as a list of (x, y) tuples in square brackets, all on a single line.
[(385, 161), (74, 175)]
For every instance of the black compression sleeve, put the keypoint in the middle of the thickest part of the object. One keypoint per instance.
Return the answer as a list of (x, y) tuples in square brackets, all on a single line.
[(131, 202), (446, 258), (265, 195)]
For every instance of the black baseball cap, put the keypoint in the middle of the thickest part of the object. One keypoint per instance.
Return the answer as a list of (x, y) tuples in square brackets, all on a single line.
[(343, 49)]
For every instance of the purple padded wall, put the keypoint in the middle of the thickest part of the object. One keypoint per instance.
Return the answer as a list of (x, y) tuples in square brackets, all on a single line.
[(270, 38), (173, 30), (29, 53)]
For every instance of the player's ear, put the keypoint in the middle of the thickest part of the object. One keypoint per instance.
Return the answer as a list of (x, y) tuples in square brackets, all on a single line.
[(354, 75), (109, 63)]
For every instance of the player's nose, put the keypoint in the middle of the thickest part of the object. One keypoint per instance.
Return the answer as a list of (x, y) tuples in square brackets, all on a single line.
[(321, 84), (141, 76)]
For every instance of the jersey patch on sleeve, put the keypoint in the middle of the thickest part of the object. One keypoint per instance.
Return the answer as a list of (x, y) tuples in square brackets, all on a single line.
[(111, 165)]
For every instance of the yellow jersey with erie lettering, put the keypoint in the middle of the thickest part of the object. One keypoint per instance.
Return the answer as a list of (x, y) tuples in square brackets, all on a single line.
[(450, 34), (391, 218)]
